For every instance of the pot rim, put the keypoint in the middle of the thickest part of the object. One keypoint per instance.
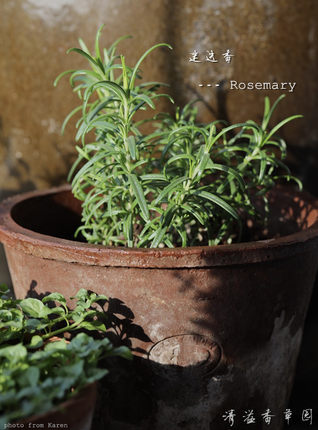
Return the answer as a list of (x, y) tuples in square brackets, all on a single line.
[(87, 391), (53, 248)]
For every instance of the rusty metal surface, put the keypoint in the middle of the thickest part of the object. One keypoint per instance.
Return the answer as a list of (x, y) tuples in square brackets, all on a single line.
[(74, 414), (216, 332)]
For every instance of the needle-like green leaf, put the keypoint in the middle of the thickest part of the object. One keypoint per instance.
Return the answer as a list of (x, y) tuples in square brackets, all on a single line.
[(138, 192)]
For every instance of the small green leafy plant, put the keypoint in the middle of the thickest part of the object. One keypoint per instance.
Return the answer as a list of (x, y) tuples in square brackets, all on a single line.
[(182, 184), (39, 371)]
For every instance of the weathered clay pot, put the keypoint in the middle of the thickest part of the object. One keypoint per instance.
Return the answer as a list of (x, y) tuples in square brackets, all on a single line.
[(214, 328), (74, 414)]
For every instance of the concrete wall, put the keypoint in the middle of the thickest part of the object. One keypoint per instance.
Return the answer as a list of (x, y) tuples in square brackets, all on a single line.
[(272, 40)]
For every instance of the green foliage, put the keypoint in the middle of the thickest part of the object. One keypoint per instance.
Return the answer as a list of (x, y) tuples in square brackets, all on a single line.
[(37, 370), (30, 318), (182, 184)]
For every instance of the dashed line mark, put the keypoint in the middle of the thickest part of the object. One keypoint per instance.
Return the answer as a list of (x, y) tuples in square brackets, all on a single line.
[(208, 85)]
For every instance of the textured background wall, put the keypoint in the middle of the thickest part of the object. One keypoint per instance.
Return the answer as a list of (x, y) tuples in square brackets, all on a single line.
[(272, 40)]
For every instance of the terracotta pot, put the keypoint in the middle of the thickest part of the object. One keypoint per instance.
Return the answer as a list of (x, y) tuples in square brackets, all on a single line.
[(214, 328), (73, 414)]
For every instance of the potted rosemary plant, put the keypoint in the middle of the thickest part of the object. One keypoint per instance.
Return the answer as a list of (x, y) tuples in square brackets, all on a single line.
[(46, 379), (186, 225)]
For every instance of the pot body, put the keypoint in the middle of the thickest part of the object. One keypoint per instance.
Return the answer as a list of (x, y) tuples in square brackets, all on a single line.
[(75, 413), (214, 329)]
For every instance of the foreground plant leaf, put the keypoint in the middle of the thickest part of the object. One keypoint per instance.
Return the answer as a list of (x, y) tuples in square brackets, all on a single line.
[(38, 371)]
